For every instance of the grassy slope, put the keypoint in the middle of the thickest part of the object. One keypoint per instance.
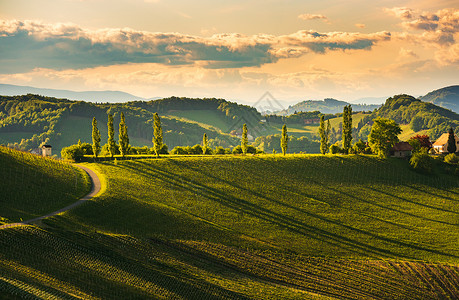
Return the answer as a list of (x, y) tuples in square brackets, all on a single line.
[(203, 117), (232, 227), (74, 127), (33, 186), (407, 132)]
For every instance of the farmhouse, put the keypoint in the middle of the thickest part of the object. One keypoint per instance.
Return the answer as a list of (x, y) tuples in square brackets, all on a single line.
[(401, 149), (441, 145), (46, 150)]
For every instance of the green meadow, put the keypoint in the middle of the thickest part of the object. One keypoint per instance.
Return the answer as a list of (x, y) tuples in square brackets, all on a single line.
[(246, 227)]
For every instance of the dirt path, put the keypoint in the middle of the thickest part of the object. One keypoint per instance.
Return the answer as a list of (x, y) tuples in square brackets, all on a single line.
[(94, 190)]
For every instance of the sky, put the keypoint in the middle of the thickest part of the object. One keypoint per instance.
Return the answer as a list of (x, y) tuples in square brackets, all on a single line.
[(238, 50)]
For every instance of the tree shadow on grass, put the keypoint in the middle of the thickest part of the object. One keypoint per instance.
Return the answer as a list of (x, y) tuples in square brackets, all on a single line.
[(94, 263), (414, 202), (298, 226), (294, 225)]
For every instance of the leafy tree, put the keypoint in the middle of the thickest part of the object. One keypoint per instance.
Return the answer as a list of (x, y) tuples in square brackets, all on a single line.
[(204, 144), (95, 138), (335, 149), (324, 134), (359, 147), (416, 144), (250, 149), (383, 136), (73, 152), (244, 139), (347, 128), (123, 135), (424, 141), (451, 146), (111, 136), (158, 134), (284, 139), (422, 162), (86, 148)]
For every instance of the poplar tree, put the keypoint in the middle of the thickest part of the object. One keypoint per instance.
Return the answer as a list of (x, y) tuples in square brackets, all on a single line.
[(204, 143), (111, 136), (95, 138), (244, 139), (158, 134), (123, 136), (284, 139), (323, 132), (451, 146), (347, 128)]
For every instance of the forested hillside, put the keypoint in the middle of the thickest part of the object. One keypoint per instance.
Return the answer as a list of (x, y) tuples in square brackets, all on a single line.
[(30, 120), (447, 97), (419, 115), (327, 106)]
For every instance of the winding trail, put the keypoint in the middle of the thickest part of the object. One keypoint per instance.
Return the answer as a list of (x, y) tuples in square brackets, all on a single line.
[(94, 191)]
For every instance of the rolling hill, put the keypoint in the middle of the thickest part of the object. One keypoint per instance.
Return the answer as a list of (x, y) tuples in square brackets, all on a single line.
[(305, 226), (327, 106), (447, 97), (29, 120), (415, 115), (91, 96)]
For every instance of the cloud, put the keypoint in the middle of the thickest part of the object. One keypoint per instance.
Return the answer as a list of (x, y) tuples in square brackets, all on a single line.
[(403, 13), (308, 17), (449, 56), (405, 54), (312, 41), (26, 45), (359, 25), (440, 28)]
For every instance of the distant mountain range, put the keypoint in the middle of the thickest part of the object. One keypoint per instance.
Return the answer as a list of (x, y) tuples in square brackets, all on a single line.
[(326, 106), (447, 97), (91, 96)]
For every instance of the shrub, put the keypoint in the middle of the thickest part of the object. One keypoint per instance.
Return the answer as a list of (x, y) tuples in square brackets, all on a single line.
[(335, 149), (359, 147), (105, 151), (164, 149), (251, 149), (421, 162), (86, 148), (74, 153), (196, 149), (219, 150), (452, 158), (237, 150), (141, 150), (178, 150)]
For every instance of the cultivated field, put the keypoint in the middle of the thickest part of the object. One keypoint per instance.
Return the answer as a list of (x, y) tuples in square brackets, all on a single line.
[(33, 186), (304, 226)]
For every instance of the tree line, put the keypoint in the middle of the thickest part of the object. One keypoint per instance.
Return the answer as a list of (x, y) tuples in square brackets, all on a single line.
[(111, 148)]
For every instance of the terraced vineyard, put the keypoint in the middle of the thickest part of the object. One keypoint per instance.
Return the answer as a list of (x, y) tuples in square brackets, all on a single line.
[(234, 227), (32, 185)]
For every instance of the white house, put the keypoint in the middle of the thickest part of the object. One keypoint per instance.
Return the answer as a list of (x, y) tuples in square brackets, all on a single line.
[(441, 145), (46, 150)]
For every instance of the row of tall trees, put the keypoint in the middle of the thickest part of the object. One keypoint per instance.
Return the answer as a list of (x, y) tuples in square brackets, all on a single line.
[(123, 136)]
